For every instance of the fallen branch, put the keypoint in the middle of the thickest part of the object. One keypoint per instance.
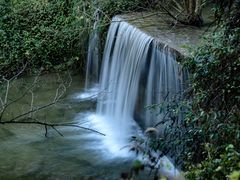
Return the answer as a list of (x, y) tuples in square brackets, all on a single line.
[(51, 125)]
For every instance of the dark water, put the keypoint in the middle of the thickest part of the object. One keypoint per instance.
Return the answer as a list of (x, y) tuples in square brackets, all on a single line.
[(25, 152)]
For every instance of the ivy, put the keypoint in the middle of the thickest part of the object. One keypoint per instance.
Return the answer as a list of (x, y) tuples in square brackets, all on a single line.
[(201, 126), (42, 34)]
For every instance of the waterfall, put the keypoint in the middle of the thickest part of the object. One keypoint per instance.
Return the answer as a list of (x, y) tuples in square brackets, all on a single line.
[(165, 80), (137, 71), (93, 55), (124, 58)]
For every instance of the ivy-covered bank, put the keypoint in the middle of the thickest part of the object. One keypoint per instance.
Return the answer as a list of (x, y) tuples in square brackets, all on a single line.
[(42, 34), (213, 119), (51, 35)]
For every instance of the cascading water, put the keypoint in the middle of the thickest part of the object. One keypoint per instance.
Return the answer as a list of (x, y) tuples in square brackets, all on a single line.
[(136, 72), (165, 80), (92, 68), (124, 57), (93, 55)]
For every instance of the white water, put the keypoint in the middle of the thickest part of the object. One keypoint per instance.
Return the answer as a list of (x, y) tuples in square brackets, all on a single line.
[(136, 72), (93, 55), (88, 94), (165, 79), (107, 145), (124, 59)]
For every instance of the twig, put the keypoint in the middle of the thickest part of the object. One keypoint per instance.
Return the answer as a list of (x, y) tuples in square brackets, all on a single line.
[(171, 15), (5, 103), (18, 74), (46, 130), (70, 79), (7, 90), (162, 122), (57, 131), (31, 105), (34, 110)]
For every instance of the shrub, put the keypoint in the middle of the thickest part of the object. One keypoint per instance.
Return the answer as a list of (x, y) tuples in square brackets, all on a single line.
[(48, 34), (205, 141)]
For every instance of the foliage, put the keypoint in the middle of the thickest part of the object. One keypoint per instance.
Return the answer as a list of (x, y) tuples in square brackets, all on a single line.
[(215, 107), (43, 34), (217, 167), (52, 34), (202, 129)]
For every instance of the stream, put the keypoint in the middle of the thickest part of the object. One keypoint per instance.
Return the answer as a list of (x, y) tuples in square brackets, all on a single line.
[(25, 152)]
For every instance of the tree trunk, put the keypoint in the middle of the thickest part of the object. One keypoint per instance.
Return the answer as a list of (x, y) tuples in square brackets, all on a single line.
[(194, 12)]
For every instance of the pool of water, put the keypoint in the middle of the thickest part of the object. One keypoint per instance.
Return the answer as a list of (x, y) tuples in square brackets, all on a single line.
[(25, 152)]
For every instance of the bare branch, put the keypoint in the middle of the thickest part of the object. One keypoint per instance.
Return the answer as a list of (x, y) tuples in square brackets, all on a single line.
[(31, 105), (57, 131), (6, 105), (19, 73), (7, 90), (60, 92), (34, 110), (178, 6), (1, 102), (198, 7), (172, 16), (46, 130), (52, 125), (70, 79)]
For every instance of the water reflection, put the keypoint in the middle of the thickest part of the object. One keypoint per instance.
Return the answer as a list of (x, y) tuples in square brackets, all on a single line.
[(25, 152)]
